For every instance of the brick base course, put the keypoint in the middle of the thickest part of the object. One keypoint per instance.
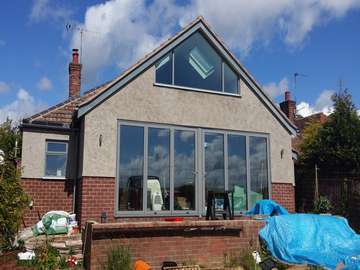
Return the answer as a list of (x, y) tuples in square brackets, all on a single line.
[(284, 194), (47, 195), (155, 244), (97, 195)]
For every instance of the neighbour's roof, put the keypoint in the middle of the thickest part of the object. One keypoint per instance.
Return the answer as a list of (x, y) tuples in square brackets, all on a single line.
[(64, 112)]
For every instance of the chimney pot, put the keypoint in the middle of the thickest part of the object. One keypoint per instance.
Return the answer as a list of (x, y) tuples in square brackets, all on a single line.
[(75, 56)]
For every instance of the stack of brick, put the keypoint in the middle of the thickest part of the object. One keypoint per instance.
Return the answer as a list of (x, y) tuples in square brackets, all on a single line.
[(66, 244)]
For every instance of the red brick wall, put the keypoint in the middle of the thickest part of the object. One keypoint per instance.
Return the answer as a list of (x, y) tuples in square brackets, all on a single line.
[(204, 247), (96, 195), (284, 193), (47, 195)]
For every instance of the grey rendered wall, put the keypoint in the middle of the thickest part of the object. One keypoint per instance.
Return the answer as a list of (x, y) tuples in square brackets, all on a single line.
[(33, 152), (140, 100)]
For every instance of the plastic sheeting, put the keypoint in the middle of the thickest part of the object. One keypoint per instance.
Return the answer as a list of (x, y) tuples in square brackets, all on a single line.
[(312, 239), (267, 207)]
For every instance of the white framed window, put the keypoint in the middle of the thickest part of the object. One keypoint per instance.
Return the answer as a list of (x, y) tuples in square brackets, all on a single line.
[(56, 158)]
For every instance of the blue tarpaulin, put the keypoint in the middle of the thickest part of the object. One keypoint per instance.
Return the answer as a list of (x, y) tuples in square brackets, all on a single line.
[(267, 207), (312, 239)]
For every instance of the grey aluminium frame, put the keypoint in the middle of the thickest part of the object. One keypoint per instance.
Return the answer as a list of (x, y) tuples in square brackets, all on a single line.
[(247, 136), (222, 71), (144, 211), (199, 167)]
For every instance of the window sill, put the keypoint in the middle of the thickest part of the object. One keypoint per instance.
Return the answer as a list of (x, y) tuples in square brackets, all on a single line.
[(196, 90), (53, 178)]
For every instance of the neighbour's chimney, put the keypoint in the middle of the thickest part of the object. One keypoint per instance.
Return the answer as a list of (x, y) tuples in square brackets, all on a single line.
[(288, 106), (74, 75)]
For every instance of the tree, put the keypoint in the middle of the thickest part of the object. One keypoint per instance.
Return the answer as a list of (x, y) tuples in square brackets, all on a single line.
[(13, 200), (336, 144)]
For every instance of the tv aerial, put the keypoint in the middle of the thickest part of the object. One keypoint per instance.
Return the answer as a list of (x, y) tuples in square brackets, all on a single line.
[(81, 30)]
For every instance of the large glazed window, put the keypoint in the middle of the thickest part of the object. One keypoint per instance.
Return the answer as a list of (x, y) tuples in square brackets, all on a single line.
[(56, 158), (131, 168), (158, 180), (169, 170), (237, 175), (195, 64), (258, 169), (184, 170)]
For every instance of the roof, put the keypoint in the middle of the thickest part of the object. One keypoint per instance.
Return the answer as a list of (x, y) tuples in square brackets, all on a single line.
[(64, 112)]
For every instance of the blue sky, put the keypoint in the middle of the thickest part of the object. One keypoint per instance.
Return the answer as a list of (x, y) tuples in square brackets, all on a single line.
[(273, 39)]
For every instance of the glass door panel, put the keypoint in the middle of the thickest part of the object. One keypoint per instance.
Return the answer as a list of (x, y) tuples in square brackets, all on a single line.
[(214, 163), (158, 179), (184, 170)]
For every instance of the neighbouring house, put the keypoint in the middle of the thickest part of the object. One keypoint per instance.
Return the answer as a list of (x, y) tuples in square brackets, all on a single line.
[(186, 119)]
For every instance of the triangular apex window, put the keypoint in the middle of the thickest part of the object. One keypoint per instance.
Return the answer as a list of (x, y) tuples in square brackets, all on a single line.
[(195, 64)]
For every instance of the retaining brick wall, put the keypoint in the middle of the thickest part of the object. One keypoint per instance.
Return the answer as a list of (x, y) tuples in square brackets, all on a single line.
[(284, 193), (154, 243), (47, 195)]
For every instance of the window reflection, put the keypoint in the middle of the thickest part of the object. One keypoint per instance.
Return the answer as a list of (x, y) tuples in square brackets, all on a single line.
[(258, 169), (237, 170), (164, 69), (158, 182), (56, 158), (184, 170), (214, 163), (230, 80), (131, 168), (197, 64)]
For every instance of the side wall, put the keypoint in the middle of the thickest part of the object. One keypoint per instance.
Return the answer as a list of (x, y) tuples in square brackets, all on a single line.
[(46, 194)]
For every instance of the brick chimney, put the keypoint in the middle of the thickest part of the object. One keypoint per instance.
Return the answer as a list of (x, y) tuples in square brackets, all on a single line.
[(74, 75), (288, 106)]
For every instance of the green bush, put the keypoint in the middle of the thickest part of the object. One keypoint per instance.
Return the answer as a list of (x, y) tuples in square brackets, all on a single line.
[(13, 202), (47, 257), (118, 259), (322, 205)]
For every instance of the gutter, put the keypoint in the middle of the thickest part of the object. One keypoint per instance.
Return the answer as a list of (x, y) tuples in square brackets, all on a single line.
[(46, 126)]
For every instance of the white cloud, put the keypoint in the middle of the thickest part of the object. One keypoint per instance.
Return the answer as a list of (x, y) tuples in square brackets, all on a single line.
[(120, 32), (276, 89), (4, 87), (323, 104), (45, 9), (127, 29), (44, 84), (24, 106)]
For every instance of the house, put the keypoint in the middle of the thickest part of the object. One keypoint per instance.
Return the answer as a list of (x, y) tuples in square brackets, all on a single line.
[(186, 119)]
